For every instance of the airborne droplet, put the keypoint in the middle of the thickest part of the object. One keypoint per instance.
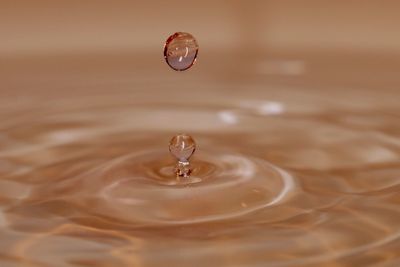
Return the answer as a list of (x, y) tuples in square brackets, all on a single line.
[(180, 51)]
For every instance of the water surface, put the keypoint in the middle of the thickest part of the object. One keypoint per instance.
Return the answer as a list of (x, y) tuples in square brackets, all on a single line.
[(297, 161)]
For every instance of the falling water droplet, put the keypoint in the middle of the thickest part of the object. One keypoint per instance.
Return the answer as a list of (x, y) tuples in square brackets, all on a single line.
[(180, 51), (182, 147)]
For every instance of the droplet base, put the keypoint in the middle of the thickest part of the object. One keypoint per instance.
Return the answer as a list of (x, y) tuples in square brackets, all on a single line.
[(182, 169)]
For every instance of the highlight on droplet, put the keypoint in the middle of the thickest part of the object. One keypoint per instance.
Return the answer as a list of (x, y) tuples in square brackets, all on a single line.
[(180, 51)]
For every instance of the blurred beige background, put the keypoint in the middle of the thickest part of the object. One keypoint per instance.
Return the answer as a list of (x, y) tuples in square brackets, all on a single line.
[(45, 26)]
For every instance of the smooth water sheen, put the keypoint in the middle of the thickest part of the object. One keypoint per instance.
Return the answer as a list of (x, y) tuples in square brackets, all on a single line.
[(297, 163)]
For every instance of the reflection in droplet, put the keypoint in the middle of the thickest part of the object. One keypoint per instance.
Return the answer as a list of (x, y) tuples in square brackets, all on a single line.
[(180, 51)]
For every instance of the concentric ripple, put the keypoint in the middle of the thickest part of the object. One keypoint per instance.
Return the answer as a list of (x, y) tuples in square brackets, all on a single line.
[(267, 186), (141, 187)]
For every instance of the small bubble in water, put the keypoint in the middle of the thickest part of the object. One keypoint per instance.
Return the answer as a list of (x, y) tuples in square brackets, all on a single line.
[(180, 51), (182, 147)]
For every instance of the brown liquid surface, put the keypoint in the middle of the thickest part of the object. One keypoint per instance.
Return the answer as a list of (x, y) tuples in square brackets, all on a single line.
[(297, 161)]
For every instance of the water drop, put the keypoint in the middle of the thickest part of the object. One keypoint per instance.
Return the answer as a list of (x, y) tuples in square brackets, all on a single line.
[(182, 147), (180, 51)]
